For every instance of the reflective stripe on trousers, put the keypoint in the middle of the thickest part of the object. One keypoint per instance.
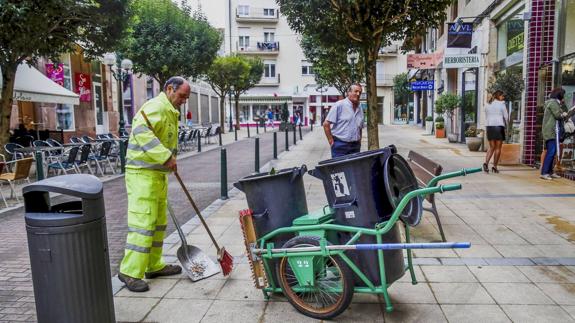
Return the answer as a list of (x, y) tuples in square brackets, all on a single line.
[(147, 201)]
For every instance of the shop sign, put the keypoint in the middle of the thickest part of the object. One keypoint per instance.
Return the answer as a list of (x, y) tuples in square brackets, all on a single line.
[(515, 36), (422, 85), (55, 72), (424, 61), (461, 61), (459, 35), (83, 86)]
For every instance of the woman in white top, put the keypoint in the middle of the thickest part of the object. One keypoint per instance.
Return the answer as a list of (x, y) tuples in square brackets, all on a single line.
[(496, 119)]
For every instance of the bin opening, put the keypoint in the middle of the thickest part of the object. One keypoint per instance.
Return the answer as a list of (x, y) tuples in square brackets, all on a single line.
[(72, 207)]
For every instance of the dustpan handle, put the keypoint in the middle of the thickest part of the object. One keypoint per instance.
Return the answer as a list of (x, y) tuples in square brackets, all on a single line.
[(178, 228)]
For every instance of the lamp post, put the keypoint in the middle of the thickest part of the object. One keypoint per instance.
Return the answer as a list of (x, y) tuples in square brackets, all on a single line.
[(123, 69), (230, 96), (351, 58)]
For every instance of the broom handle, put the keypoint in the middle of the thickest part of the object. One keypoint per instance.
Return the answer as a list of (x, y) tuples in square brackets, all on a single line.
[(185, 189)]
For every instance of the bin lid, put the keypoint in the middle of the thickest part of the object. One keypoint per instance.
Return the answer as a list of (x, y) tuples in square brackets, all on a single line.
[(356, 156), (78, 185)]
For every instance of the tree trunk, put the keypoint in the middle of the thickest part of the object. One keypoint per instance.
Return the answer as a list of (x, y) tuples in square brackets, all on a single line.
[(237, 109), (9, 76), (371, 85), (222, 114)]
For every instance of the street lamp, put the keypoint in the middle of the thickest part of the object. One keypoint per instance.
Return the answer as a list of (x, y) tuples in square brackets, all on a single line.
[(230, 97), (123, 69), (351, 58)]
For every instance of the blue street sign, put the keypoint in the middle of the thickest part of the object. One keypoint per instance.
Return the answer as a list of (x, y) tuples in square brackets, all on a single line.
[(422, 85)]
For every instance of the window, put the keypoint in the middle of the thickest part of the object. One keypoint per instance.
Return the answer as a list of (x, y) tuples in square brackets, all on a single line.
[(270, 69), (149, 88), (269, 36), (65, 112), (244, 41), (269, 12), (306, 69), (243, 10)]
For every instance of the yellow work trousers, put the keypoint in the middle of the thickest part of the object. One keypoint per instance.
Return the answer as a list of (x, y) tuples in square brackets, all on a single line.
[(147, 202)]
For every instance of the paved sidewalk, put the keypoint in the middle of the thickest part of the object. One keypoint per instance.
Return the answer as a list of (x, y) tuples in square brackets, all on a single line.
[(521, 266)]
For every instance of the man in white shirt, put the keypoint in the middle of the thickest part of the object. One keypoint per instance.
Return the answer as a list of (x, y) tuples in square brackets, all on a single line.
[(343, 124)]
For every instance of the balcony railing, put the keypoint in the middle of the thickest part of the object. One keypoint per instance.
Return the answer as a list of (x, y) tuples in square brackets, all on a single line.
[(269, 81), (258, 47), (384, 79), (390, 50), (251, 14)]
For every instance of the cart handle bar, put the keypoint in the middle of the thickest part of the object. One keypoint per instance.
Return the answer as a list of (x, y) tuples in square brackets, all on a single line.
[(374, 246)]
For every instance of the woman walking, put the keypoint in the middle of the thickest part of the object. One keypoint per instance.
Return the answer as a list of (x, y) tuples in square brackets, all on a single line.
[(553, 113), (496, 119)]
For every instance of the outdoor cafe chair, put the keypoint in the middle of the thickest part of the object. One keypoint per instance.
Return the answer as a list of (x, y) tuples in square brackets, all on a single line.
[(21, 173), (66, 162), (76, 140), (87, 139), (10, 150), (103, 155), (85, 151), (2, 164)]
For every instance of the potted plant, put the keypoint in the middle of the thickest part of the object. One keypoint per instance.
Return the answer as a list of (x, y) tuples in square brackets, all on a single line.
[(511, 84), (439, 127), (448, 103), (429, 125), (473, 142)]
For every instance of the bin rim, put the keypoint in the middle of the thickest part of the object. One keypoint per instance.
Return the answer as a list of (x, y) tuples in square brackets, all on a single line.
[(357, 156), (84, 186), (281, 172)]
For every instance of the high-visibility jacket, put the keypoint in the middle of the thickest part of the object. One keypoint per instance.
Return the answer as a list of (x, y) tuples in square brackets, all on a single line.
[(150, 150)]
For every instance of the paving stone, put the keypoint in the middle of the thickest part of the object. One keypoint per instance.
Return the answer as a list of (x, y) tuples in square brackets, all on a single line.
[(158, 288), (133, 309), (179, 310), (517, 293), (234, 311), (495, 274), (415, 313), (562, 294), (523, 250), (548, 274), (240, 290), (478, 251), (570, 310), (406, 293), (448, 274), (203, 289), (474, 313), (17, 318), (536, 313), (461, 293), (426, 261), (285, 312), (509, 261)]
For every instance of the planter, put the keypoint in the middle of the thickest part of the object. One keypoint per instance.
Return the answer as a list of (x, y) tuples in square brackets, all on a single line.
[(473, 143), (428, 127), (453, 137), (440, 133), (510, 154)]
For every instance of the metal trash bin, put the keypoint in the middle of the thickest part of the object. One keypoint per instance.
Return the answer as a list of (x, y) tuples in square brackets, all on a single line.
[(276, 200), (355, 187), (69, 250)]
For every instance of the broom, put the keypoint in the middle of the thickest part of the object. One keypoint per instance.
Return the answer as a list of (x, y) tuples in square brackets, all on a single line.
[(224, 258)]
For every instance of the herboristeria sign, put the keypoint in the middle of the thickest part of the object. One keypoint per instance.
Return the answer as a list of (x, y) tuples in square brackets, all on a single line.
[(461, 61)]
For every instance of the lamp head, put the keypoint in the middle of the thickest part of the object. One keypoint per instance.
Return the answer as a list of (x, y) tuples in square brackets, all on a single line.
[(352, 57), (110, 59), (127, 64)]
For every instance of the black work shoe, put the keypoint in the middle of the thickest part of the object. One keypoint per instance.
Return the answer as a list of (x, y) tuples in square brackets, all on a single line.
[(169, 270), (134, 284)]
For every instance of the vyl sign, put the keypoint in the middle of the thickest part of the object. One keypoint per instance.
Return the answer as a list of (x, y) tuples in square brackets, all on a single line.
[(459, 35)]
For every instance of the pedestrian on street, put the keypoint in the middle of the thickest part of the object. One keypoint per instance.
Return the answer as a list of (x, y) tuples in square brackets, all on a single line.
[(151, 156), (344, 123), (189, 122), (496, 118), (555, 110), (270, 118)]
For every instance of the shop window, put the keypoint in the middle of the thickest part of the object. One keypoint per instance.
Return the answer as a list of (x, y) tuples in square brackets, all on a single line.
[(258, 111), (244, 113), (511, 37), (380, 100), (65, 112)]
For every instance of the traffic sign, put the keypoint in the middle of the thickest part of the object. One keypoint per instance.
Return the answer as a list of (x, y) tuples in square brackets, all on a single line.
[(422, 85)]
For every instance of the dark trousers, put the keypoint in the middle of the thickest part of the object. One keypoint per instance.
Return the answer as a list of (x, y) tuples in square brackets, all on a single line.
[(551, 147), (341, 148)]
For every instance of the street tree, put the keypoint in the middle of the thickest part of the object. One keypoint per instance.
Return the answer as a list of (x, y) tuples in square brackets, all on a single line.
[(247, 77), (30, 29), (330, 65), (165, 40), (221, 76), (367, 25), (401, 89)]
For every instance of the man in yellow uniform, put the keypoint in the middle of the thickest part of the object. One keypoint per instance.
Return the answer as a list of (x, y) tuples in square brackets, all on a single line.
[(150, 157)]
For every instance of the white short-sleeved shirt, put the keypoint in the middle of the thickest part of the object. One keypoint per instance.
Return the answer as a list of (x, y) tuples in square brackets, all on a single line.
[(346, 123), (496, 114)]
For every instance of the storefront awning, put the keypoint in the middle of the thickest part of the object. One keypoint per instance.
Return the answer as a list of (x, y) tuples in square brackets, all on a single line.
[(32, 86), (265, 99)]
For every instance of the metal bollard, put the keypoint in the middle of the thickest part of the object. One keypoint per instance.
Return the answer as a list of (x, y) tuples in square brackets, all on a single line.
[(287, 139), (220, 137), (224, 175), (275, 145), (39, 166), (311, 124), (200, 143), (300, 136), (123, 156), (257, 163), (257, 128), (236, 134), (248, 126), (294, 136)]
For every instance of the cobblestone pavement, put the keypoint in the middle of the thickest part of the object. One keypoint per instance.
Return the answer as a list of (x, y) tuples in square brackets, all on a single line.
[(200, 172)]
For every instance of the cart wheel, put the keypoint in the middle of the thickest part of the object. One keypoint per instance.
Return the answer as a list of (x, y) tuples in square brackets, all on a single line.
[(321, 301)]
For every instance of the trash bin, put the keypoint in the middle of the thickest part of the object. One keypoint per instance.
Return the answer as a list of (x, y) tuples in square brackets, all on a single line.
[(275, 200), (69, 250), (355, 187)]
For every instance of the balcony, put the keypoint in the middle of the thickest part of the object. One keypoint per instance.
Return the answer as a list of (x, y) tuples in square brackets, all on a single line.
[(384, 79), (390, 50), (269, 81), (250, 14), (268, 48)]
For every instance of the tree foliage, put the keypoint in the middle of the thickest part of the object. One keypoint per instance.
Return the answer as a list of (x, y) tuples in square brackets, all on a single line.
[(367, 25), (401, 88), (511, 84), (250, 76), (165, 40), (330, 64), (30, 29), (446, 104)]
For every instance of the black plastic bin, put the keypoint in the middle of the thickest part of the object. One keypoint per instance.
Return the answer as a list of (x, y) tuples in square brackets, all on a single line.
[(69, 250), (355, 187), (275, 200)]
